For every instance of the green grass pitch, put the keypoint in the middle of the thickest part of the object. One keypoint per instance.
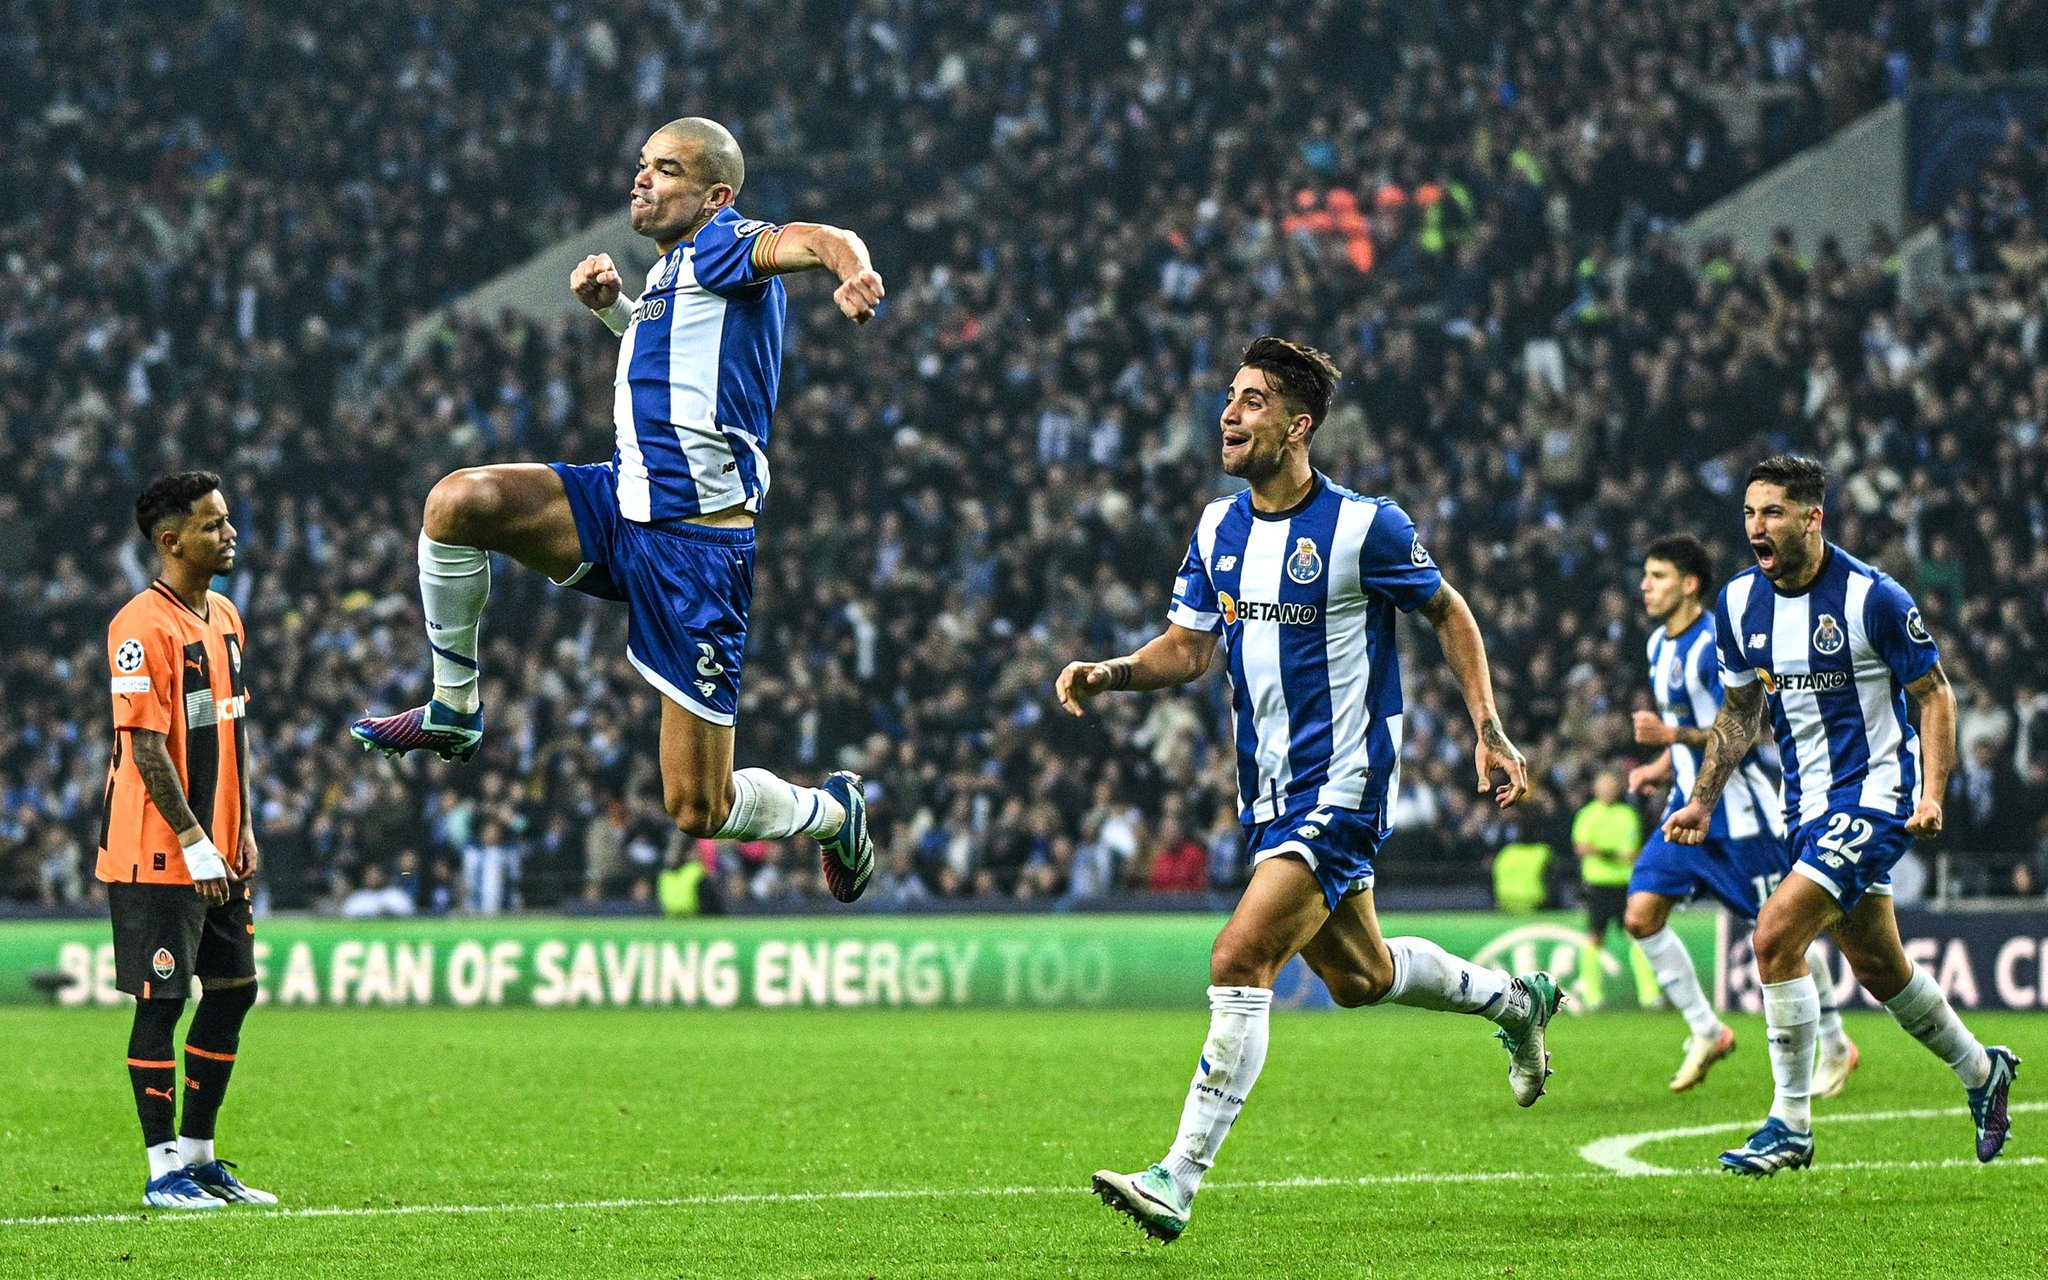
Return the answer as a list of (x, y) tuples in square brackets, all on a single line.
[(428, 1142)]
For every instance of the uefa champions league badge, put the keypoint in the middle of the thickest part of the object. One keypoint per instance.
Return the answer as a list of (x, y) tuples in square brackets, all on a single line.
[(1304, 566), (1827, 635)]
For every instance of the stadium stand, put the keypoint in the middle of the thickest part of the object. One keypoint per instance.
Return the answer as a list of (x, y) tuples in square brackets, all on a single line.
[(1466, 204)]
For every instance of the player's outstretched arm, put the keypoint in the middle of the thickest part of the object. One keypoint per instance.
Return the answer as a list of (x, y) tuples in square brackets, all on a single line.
[(805, 246), (153, 761), (1937, 705), (1727, 743), (1465, 650), (1175, 656)]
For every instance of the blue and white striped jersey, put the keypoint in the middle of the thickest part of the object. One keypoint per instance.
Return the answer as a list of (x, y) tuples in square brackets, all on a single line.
[(1685, 677), (698, 370), (1835, 660), (1305, 603)]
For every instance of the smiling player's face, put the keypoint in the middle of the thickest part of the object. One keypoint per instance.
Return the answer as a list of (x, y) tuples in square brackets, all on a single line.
[(668, 199), (1256, 427)]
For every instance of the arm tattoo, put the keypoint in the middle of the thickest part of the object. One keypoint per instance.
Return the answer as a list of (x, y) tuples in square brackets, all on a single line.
[(160, 776), (1120, 672), (1495, 738), (1928, 685), (1728, 741)]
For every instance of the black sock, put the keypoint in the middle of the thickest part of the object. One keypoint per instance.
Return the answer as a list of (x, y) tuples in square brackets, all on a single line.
[(210, 1045), (152, 1071)]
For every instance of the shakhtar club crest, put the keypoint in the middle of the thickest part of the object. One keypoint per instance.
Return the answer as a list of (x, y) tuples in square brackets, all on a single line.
[(1304, 566), (163, 962), (1827, 635)]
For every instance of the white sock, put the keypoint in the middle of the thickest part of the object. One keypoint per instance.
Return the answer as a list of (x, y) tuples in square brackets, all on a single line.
[(163, 1159), (1834, 1041), (1921, 1009), (454, 583), (195, 1150), (1428, 977), (1791, 1012), (1231, 1058), (1680, 982), (764, 807)]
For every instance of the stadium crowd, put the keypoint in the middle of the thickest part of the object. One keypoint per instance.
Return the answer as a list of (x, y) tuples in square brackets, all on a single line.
[(1468, 212)]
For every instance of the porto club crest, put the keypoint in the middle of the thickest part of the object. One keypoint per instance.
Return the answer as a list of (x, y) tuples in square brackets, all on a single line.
[(1827, 635), (1304, 566)]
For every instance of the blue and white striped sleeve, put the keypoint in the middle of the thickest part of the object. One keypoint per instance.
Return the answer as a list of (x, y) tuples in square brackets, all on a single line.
[(1736, 673), (1194, 595)]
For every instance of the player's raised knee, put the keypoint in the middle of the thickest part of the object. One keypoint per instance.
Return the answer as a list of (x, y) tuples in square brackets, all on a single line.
[(463, 504)]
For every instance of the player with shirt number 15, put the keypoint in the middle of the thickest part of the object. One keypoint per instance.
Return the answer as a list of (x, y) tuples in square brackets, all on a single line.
[(1298, 581)]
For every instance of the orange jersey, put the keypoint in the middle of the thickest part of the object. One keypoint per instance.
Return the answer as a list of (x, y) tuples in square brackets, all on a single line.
[(180, 675)]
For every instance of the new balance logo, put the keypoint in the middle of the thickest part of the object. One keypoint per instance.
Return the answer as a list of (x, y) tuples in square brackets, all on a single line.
[(1224, 564), (1758, 640), (706, 688)]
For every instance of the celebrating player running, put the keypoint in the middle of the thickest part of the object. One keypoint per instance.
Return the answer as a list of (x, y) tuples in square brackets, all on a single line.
[(1834, 648), (668, 524), (1299, 579), (1744, 855)]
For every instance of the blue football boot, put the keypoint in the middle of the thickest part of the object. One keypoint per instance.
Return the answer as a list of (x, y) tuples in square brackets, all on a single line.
[(848, 853), (1768, 1150), (436, 727), (215, 1180), (1987, 1104)]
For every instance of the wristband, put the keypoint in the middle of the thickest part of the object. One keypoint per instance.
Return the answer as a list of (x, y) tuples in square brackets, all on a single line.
[(618, 317), (203, 862)]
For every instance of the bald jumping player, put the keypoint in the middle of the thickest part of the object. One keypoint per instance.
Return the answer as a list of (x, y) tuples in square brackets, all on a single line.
[(667, 525)]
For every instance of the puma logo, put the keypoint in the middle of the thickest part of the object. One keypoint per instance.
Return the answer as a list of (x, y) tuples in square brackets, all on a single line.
[(165, 1094)]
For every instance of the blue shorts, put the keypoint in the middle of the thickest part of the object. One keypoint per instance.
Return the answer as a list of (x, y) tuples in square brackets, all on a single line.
[(1337, 844), (686, 587), (1739, 874), (1850, 852)]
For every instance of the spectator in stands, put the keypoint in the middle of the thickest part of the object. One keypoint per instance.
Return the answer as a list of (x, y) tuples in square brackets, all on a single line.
[(376, 896), (1178, 863)]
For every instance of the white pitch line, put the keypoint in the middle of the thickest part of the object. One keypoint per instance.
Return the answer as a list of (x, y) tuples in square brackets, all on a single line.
[(727, 1198), (1617, 1154)]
